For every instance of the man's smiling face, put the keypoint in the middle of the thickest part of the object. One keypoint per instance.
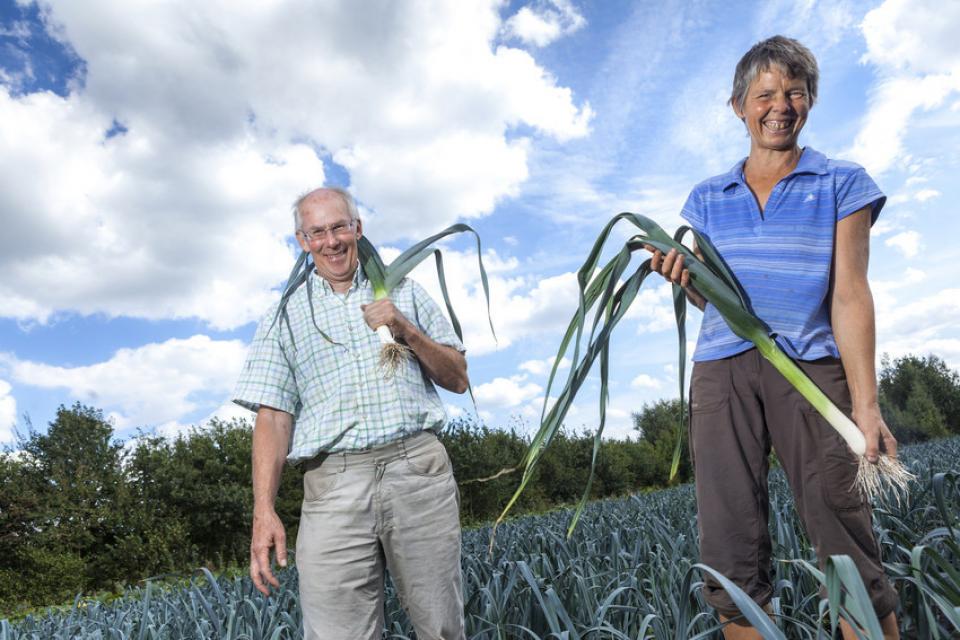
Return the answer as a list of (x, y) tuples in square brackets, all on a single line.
[(330, 235)]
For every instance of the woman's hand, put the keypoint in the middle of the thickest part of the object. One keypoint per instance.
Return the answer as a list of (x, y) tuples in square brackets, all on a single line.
[(670, 266), (875, 432)]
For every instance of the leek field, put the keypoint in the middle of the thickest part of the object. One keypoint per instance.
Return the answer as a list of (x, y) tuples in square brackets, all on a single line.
[(627, 572)]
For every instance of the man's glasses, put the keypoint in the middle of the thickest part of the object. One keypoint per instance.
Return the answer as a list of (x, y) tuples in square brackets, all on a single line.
[(318, 234)]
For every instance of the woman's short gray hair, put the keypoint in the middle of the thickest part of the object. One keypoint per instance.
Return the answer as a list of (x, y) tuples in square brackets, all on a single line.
[(779, 51), (348, 201)]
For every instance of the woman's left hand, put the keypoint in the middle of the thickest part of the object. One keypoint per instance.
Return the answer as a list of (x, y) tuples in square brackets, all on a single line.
[(879, 439)]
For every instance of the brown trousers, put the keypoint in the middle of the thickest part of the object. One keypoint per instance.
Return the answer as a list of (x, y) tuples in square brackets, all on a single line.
[(739, 407)]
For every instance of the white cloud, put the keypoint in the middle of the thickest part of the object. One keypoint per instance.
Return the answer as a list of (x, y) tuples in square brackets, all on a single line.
[(154, 384), (921, 325), (543, 367), (912, 44), (454, 411), (520, 306), (225, 413), (906, 242), (18, 29), (504, 393), (926, 194), (186, 214), (653, 307), (8, 413), (643, 381), (819, 24), (543, 22), (703, 100)]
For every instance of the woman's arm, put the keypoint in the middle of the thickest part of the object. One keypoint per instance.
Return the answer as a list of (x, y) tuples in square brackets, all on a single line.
[(854, 328)]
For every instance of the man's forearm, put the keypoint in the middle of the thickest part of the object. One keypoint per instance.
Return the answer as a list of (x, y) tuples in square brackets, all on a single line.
[(445, 365), (271, 438)]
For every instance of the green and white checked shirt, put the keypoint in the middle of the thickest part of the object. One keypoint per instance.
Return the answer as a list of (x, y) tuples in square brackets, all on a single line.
[(340, 398)]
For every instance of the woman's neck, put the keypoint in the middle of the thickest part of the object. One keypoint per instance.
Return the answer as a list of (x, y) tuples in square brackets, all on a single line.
[(769, 164)]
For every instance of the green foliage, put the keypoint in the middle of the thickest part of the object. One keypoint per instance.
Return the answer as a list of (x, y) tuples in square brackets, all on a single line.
[(919, 397), (657, 426), (479, 453), (78, 513), (202, 481), (64, 506), (628, 572)]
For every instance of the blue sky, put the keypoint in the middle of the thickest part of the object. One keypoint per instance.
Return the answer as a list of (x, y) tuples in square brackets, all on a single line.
[(149, 154)]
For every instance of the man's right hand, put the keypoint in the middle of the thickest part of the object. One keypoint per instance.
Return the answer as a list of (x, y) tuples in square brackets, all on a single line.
[(271, 437), (267, 532)]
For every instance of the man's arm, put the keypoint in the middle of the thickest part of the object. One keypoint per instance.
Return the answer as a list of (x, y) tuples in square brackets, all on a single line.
[(445, 365), (854, 328), (271, 439)]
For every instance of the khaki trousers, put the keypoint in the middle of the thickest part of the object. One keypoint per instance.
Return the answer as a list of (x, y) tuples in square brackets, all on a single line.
[(739, 407), (394, 506)]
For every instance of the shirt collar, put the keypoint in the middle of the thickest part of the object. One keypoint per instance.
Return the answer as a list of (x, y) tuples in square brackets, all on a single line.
[(811, 161), (359, 280)]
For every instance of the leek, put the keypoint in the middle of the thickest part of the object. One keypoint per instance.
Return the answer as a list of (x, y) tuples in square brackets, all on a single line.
[(384, 279), (609, 296)]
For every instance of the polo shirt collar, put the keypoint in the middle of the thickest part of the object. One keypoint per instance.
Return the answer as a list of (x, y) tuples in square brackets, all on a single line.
[(811, 161)]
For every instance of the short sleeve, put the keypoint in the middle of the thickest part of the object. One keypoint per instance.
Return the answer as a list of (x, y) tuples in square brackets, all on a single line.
[(267, 377), (856, 191), (692, 211), (431, 319)]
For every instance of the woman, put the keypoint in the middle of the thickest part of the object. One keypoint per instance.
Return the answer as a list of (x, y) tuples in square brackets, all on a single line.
[(794, 226)]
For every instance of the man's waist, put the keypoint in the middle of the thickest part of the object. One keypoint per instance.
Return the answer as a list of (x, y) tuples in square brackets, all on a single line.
[(378, 454)]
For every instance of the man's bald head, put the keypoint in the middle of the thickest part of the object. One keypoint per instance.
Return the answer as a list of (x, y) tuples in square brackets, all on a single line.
[(321, 194)]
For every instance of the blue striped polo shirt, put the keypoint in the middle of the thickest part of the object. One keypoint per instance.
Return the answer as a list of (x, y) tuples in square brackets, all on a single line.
[(781, 256)]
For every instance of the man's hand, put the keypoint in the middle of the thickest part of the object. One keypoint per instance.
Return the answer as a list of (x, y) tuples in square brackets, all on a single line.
[(267, 532), (875, 432), (443, 364), (670, 266), (383, 312), (271, 437)]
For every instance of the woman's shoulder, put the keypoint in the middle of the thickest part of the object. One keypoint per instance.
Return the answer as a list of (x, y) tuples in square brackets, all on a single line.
[(838, 167)]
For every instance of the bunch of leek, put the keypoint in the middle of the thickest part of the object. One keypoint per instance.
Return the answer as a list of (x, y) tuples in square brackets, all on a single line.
[(610, 297), (384, 279)]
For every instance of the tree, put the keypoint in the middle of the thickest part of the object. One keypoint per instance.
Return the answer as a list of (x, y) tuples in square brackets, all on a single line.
[(919, 397), (65, 509), (657, 424)]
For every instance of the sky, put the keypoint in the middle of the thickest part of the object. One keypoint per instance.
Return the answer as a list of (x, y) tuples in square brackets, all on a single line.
[(150, 153)]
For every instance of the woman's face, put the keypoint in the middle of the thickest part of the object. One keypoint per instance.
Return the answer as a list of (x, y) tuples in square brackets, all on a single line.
[(775, 110)]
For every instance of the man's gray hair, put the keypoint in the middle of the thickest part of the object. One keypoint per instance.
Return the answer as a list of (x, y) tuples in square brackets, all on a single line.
[(348, 201), (779, 51)]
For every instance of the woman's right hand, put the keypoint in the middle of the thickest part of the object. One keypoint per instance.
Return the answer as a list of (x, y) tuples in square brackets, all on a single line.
[(670, 266)]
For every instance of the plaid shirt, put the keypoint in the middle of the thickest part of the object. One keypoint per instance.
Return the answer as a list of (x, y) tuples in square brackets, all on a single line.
[(339, 397)]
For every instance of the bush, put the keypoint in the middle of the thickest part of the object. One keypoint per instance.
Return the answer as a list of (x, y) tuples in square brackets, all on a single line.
[(919, 398)]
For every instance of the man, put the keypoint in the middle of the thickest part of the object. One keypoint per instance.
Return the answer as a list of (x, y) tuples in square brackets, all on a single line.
[(378, 487)]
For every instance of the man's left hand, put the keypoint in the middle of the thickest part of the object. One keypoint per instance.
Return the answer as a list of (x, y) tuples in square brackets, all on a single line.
[(383, 312)]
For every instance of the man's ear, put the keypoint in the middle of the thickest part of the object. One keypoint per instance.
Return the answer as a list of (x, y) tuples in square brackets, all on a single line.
[(302, 242), (359, 228), (737, 111)]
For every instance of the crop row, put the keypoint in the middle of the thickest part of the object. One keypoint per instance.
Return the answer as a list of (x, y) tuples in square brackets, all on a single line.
[(627, 572)]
